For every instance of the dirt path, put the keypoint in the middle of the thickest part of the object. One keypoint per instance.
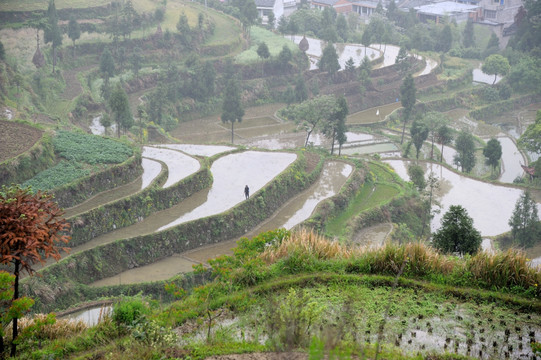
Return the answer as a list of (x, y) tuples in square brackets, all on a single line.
[(73, 86)]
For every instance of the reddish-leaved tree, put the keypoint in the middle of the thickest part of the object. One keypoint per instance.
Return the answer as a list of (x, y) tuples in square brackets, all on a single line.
[(31, 227)]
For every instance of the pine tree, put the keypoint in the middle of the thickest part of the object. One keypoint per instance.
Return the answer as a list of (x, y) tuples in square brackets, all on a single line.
[(524, 221)]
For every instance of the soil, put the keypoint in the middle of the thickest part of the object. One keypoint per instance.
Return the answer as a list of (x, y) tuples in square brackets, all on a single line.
[(16, 138)]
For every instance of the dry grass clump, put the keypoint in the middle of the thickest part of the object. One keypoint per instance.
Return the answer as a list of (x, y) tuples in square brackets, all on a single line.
[(308, 243), (510, 269), (422, 259), (504, 269), (46, 326)]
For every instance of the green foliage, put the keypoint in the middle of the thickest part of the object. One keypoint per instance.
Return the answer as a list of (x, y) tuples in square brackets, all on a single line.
[(524, 222), (290, 320), (9, 308), (61, 174), (493, 152), (120, 107), (457, 234), (531, 138), (419, 133), (232, 109), (90, 149), (128, 312), (408, 99), (468, 36), (107, 64), (329, 60), (465, 156), (496, 65), (417, 176)]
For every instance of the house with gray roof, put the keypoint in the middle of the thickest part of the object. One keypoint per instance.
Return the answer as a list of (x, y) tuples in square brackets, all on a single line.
[(277, 7), (448, 9)]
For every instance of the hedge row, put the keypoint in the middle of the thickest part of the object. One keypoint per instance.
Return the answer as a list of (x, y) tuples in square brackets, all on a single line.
[(134, 208), (58, 280)]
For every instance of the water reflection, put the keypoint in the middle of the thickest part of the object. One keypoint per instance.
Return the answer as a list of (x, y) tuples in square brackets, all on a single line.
[(151, 169), (298, 209), (179, 165), (512, 159), (490, 206), (230, 174)]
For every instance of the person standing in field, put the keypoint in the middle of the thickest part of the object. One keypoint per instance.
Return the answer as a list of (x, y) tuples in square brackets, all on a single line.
[(247, 192)]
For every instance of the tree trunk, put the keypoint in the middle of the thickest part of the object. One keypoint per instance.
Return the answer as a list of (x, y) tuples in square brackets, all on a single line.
[(15, 297), (307, 137), (54, 57), (332, 146), (494, 82), (432, 149), (232, 131), (403, 131), (441, 155)]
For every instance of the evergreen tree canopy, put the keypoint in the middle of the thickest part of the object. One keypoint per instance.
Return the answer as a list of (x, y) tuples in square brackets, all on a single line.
[(457, 234)]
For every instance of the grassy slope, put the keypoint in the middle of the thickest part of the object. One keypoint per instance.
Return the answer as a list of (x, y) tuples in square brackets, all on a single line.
[(372, 194), (274, 42)]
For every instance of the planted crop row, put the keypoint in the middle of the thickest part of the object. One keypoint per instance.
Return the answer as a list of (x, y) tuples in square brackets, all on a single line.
[(61, 174), (90, 149)]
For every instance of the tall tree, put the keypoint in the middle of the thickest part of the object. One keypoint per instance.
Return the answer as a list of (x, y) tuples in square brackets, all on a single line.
[(2, 52), (493, 153), (457, 234), (312, 113), (335, 126), (342, 27), (264, 54), (31, 227), (329, 60), (493, 42), (232, 109), (444, 136), (120, 107), (417, 176), (52, 32), (468, 35), (74, 31), (419, 133), (408, 99), (465, 147), (495, 65), (301, 92), (433, 122), (285, 56), (445, 40), (402, 60), (107, 64), (524, 221), (136, 59), (184, 30), (531, 138)]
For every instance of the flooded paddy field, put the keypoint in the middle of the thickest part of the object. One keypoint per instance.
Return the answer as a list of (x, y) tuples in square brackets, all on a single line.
[(418, 322), (490, 206), (298, 209), (231, 173), (372, 115), (179, 165)]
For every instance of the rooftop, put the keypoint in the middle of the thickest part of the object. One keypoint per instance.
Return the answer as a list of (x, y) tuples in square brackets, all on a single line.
[(446, 8)]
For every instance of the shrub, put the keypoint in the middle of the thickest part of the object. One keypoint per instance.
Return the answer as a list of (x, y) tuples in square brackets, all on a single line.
[(128, 312)]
